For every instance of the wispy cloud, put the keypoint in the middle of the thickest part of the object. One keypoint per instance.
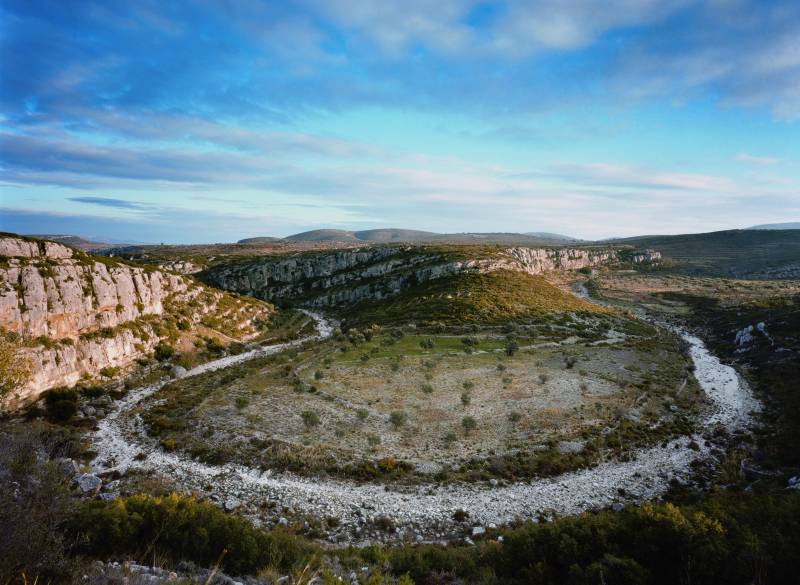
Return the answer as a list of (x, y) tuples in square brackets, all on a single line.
[(109, 202), (756, 160)]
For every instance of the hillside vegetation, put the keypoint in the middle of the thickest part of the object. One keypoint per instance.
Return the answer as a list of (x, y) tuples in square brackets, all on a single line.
[(758, 254), (494, 297)]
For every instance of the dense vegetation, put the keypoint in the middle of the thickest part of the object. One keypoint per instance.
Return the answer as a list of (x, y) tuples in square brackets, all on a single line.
[(494, 297), (733, 253)]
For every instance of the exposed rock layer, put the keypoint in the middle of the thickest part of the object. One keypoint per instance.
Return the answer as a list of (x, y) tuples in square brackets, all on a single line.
[(349, 276), (79, 316)]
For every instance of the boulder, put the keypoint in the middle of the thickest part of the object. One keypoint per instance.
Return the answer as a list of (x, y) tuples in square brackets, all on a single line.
[(570, 446), (67, 466), (178, 371), (88, 484)]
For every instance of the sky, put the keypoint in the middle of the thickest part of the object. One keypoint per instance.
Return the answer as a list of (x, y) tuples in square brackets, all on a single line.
[(215, 120)]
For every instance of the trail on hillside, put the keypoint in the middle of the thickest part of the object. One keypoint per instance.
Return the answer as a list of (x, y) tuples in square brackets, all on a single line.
[(121, 444)]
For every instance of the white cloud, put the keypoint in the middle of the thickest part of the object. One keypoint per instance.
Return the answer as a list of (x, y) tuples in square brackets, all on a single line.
[(756, 160)]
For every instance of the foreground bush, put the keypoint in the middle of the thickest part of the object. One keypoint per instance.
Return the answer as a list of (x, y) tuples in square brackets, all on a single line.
[(736, 539), (183, 528)]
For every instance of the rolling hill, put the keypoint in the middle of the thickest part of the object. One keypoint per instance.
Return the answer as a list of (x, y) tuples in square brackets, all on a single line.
[(751, 254)]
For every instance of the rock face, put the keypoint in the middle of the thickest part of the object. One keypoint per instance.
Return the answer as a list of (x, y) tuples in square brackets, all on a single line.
[(348, 276), (79, 315)]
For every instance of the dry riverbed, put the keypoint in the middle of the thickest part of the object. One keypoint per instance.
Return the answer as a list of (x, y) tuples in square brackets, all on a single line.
[(371, 512)]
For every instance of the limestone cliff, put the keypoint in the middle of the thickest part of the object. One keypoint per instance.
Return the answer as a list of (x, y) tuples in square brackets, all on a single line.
[(344, 277), (80, 316)]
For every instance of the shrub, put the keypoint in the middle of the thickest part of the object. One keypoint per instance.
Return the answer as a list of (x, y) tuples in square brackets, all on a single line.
[(512, 347), (398, 418), (468, 385), (310, 418), (362, 414), (373, 440), (318, 375), (93, 391), (514, 417), (183, 528), (426, 343), (109, 372), (213, 345), (543, 378), (469, 424), (466, 398), (164, 351), (61, 404), (427, 389), (242, 402)]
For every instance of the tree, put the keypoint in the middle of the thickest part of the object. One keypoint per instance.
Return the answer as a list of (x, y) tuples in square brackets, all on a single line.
[(15, 368)]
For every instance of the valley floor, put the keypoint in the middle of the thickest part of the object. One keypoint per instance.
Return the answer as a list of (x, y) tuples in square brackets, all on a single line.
[(371, 512)]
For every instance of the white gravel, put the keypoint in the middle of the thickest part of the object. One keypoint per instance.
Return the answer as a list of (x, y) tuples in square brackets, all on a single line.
[(428, 510)]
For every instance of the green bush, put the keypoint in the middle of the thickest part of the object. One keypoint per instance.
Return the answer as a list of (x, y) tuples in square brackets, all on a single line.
[(61, 403), (733, 539), (469, 423), (164, 351), (310, 418), (183, 528), (398, 418)]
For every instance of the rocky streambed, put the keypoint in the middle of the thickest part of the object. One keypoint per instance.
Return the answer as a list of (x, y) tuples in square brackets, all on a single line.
[(369, 512)]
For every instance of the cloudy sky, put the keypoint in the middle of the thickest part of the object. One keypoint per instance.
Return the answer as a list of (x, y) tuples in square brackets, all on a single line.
[(214, 120)]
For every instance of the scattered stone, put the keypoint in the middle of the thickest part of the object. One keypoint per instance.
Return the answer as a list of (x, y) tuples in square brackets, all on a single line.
[(617, 507), (88, 484), (570, 446), (478, 530), (177, 371), (67, 466)]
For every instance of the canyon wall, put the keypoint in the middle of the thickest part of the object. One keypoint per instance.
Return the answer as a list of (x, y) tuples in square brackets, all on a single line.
[(323, 279), (79, 316)]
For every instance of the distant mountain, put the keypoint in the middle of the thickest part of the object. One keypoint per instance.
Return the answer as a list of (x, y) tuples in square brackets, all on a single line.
[(75, 241), (552, 236), (393, 235), (792, 225), (258, 240), (377, 235), (389, 235)]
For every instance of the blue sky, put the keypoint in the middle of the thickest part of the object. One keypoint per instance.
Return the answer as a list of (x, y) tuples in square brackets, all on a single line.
[(214, 120)]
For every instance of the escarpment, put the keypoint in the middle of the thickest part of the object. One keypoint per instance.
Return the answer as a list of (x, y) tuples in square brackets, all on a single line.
[(80, 316), (324, 279)]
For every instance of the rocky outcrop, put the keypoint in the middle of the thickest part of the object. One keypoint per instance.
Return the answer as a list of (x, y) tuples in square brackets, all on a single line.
[(348, 276), (79, 316)]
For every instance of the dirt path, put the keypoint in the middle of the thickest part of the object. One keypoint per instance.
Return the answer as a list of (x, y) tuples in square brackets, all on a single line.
[(425, 512)]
